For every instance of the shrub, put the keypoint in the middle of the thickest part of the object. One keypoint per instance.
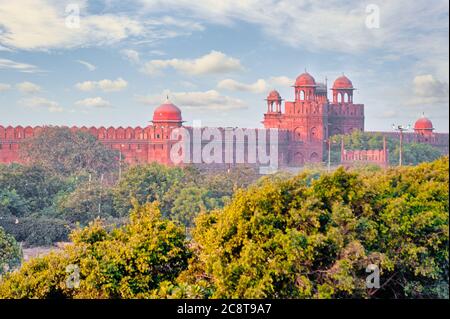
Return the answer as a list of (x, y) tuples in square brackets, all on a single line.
[(132, 261), (10, 252), (36, 231)]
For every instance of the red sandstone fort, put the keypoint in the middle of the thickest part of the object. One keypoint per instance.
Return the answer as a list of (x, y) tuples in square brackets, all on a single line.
[(304, 126)]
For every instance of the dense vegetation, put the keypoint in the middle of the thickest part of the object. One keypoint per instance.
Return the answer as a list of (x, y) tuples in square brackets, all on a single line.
[(172, 232), (308, 236), (72, 179)]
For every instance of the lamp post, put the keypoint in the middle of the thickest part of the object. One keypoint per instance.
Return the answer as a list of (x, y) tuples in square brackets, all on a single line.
[(120, 161), (401, 129), (329, 141)]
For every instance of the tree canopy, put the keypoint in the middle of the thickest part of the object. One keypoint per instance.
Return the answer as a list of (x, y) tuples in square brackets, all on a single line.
[(299, 239), (131, 261), (67, 152), (308, 236)]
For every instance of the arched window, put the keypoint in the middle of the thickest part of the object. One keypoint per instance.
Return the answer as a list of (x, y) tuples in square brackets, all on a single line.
[(313, 133), (302, 95), (298, 133), (314, 156), (299, 159)]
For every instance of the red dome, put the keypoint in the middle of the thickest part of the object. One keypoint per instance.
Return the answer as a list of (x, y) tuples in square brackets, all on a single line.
[(423, 124), (274, 96), (342, 82), (305, 79), (167, 112)]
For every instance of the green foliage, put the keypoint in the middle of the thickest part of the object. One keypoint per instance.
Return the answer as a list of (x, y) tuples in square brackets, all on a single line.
[(144, 183), (11, 204), (88, 201), (133, 261), (314, 239), (190, 202), (26, 190), (415, 153), (36, 231), (66, 152), (10, 252), (182, 192), (283, 236)]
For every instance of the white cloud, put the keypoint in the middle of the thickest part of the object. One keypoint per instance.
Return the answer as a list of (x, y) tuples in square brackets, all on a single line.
[(207, 100), (4, 87), (104, 85), (429, 90), (28, 87), (41, 25), (18, 66), (86, 85), (88, 65), (96, 102), (40, 102), (416, 29), (131, 55), (213, 62), (260, 86), (111, 85), (281, 81)]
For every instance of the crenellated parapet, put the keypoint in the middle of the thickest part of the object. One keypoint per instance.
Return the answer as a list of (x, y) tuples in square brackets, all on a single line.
[(374, 156)]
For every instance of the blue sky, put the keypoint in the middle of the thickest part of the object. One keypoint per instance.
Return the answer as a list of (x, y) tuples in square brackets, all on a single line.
[(217, 60)]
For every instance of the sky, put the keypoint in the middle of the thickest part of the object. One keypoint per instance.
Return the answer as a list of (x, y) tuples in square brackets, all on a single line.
[(111, 62)]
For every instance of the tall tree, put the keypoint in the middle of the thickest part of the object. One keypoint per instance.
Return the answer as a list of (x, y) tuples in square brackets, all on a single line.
[(67, 152)]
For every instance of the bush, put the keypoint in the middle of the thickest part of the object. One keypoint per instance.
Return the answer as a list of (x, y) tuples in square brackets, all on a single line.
[(132, 261), (87, 202), (299, 238), (36, 231), (10, 252)]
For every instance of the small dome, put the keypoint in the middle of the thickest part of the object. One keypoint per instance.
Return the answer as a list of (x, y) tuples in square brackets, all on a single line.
[(305, 79), (342, 82), (423, 124), (274, 96), (167, 112)]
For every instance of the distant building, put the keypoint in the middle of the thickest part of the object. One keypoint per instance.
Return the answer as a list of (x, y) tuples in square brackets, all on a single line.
[(304, 125)]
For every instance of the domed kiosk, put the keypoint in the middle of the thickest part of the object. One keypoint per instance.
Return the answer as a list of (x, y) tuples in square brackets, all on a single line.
[(167, 114), (423, 126)]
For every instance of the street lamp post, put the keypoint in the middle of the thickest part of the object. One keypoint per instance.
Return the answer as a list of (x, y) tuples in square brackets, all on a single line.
[(120, 161), (400, 129), (329, 155), (330, 142)]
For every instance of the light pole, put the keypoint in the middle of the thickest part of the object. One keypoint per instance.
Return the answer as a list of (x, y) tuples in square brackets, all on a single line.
[(330, 142), (401, 129), (120, 162)]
